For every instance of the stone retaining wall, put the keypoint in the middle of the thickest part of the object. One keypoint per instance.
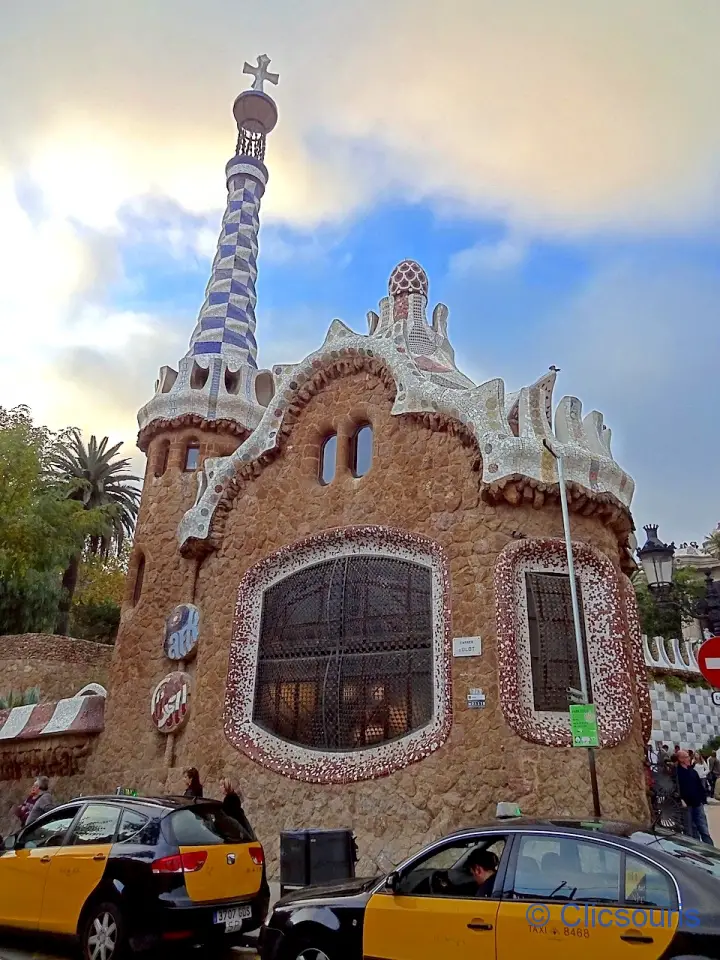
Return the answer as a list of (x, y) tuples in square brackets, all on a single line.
[(58, 666)]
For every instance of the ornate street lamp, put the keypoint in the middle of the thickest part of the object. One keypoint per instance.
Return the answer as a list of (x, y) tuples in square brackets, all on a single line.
[(657, 559)]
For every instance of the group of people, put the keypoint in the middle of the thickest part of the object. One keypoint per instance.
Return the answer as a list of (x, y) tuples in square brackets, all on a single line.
[(232, 800), (696, 777)]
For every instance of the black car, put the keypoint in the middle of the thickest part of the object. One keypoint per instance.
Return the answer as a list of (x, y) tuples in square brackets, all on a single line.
[(517, 888), (131, 871)]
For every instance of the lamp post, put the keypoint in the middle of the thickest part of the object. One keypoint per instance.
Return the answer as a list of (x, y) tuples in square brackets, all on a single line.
[(657, 560), (583, 692)]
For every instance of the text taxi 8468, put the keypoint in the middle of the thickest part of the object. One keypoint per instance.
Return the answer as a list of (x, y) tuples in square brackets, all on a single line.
[(559, 890)]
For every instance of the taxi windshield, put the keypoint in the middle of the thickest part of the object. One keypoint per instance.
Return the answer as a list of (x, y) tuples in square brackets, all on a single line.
[(684, 848)]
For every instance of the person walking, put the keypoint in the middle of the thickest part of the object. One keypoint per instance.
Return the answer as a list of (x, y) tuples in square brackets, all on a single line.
[(693, 795), (232, 806), (702, 770), (44, 802), (714, 764), (193, 787), (22, 812)]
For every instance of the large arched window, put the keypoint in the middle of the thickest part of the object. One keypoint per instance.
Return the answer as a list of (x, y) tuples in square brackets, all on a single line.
[(340, 663), (345, 658)]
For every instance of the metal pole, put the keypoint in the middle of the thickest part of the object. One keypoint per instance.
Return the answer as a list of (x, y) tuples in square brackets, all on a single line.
[(579, 644)]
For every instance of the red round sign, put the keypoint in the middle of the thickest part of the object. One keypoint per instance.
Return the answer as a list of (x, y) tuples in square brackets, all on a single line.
[(709, 660)]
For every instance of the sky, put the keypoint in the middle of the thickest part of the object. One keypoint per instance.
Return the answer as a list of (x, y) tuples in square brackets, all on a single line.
[(554, 166)]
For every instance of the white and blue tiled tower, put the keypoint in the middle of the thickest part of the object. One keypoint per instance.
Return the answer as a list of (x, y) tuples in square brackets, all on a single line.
[(217, 382)]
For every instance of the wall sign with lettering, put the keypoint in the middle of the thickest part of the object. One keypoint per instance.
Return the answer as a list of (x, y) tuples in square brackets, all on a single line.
[(170, 704), (182, 632), (467, 646), (476, 699)]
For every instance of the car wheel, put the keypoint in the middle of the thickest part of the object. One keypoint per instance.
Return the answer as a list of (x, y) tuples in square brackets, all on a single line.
[(103, 935), (308, 950)]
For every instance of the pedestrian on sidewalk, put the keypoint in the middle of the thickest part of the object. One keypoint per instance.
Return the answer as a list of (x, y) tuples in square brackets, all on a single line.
[(193, 787), (714, 763), (44, 803), (703, 771), (22, 812), (233, 806), (693, 795)]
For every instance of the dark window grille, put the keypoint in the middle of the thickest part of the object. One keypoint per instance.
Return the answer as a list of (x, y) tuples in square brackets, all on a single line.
[(139, 577), (345, 653), (553, 652)]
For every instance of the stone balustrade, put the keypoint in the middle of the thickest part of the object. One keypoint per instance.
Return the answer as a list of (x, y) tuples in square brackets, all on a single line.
[(680, 656)]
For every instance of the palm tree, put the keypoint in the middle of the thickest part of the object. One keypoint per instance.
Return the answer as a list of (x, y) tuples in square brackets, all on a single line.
[(97, 478), (711, 543)]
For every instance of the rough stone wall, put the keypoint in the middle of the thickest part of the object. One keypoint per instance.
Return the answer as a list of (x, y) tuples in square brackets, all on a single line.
[(58, 666), (422, 481)]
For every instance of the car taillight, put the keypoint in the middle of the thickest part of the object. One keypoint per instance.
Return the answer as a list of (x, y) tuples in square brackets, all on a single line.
[(181, 863), (257, 855)]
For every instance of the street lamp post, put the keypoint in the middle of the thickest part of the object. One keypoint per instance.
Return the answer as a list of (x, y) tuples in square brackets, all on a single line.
[(579, 642), (657, 560)]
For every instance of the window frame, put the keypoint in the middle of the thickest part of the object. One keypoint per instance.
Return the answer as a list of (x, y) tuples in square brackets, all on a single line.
[(327, 439), (470, 842), (162, 459), (138, 580), (336, 766), (353, 449), (49, 816), (191, 445), (70, 840)]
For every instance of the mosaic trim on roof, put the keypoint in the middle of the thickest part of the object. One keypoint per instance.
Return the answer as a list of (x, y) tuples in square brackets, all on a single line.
[(79, 714), (430, 385), (317, 766), (605, 626)]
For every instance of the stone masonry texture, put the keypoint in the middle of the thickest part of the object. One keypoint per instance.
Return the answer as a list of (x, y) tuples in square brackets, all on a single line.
[(422, 480)]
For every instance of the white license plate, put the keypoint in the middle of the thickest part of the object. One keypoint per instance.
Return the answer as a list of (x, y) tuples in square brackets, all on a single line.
[(233, 917)]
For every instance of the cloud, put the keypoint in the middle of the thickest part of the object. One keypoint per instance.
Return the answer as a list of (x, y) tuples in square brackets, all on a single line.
[(502, 255), (559, 117)]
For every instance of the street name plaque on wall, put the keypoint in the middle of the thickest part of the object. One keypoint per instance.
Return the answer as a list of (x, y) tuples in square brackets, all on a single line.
[(170, 704), (467, 646), (182, 632)]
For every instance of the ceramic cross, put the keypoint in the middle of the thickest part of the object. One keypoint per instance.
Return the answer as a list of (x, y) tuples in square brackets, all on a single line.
[(260, 72)]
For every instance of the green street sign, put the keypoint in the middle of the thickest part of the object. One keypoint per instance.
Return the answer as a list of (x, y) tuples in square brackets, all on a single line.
[(583, 725)]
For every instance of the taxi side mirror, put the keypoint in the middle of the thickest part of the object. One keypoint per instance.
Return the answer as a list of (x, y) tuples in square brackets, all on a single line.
[(392, 881)]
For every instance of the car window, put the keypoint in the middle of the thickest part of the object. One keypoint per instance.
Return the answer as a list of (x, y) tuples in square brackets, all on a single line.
[(565, 868), (48, 833), (444, 872), (96, 825), (133, 827), (206, 826), (690, 851), (647, 885)]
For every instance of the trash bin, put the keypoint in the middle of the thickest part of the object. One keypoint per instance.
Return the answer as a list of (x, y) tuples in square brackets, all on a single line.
[(316, 856)]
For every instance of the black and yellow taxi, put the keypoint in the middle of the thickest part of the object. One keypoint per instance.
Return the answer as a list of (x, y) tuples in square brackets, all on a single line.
[(133, 873), (517, 888)]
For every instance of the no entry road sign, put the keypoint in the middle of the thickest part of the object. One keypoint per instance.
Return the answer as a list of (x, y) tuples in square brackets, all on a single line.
[(709, 660)]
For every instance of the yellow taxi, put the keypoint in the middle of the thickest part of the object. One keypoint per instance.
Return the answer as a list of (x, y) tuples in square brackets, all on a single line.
[(121, 872), (550, 890)]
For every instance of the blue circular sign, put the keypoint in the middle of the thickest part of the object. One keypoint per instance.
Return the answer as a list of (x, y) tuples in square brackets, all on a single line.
[(182, 632)]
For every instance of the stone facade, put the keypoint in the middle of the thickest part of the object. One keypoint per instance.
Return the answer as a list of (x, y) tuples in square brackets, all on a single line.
[(58, 666), (424, 481)]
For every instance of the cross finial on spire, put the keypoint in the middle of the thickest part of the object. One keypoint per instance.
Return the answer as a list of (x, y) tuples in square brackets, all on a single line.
[(260, 73)]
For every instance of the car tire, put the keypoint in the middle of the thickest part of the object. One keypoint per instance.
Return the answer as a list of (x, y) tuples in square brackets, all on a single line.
[(103, 933), (309, 949)]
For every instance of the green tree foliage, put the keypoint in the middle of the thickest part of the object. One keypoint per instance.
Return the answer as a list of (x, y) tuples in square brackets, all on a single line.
[(96, 478), (711, 543), (666, 620), (42, 525), (95, 611)]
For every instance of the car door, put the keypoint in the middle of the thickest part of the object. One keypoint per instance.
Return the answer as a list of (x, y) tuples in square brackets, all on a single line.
[(77, 867), (434, 911), (24, 870), (566, 897)]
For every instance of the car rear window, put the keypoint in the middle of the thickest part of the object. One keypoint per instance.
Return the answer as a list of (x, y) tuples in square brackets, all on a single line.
[(205, 826), (136, 827), (691, 852)]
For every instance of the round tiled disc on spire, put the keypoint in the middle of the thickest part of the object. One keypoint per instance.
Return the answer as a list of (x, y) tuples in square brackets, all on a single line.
[(408, 277)]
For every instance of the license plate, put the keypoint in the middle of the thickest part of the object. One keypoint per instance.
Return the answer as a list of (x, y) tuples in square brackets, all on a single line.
[(233, 917)]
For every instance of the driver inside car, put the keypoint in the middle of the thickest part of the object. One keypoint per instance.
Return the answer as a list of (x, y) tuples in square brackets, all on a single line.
[(483, 865)]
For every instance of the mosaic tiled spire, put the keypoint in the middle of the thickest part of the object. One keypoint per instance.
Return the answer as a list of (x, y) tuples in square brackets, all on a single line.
[(218, 378)]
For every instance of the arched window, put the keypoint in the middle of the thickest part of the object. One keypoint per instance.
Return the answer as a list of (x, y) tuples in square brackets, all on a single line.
[(192, 455), (328, 457), (361, 450), (139, 577), (161, 459)]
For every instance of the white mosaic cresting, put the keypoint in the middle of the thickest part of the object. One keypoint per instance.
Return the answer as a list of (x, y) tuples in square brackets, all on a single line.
[(319, 766), (605, 633)]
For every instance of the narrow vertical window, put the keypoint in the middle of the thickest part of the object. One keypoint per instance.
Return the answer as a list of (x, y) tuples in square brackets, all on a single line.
[(192, 456), (361, 450), (161, 460), (553, 651), (139, 577), (328, 456)]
